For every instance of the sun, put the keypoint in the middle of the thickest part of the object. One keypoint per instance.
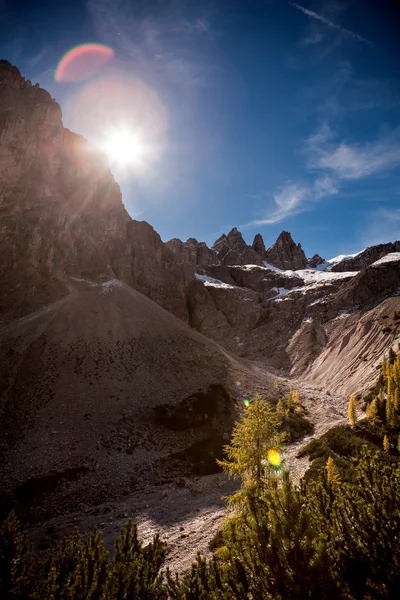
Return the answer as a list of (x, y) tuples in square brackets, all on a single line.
[(124, 149)]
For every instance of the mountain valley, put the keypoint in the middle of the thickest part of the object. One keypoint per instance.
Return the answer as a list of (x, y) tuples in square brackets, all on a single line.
[(125, 360)]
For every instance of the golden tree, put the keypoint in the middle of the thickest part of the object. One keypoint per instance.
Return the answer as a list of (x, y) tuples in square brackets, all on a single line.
[(386, 444), (332, 472), (352, 411)]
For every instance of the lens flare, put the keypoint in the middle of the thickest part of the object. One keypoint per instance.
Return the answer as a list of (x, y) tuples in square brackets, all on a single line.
[(238, 384), (125, 119), (246, 402), (124, 148), (82, 62), (274, 457)]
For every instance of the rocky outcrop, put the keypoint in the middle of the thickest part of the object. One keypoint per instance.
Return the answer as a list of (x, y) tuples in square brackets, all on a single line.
[(366, 257), (287, 323), (233, 250), (61, 212), (259, 246), (315, 261), (192, 252), (285, 254)]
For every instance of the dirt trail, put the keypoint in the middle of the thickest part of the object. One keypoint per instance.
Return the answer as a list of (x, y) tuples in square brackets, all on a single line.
[(188, 517)]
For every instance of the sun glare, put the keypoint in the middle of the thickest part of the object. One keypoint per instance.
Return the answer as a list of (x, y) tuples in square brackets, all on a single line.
[(124, 149)]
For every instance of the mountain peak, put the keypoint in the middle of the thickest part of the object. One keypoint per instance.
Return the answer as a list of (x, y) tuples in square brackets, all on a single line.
[(258, 245), (285, 254)]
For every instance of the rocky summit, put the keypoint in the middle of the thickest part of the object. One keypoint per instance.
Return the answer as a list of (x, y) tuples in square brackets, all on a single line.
[(62, 212), (124, 359)]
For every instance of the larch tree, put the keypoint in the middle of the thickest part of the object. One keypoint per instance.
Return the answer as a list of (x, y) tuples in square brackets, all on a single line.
[(352, 411)]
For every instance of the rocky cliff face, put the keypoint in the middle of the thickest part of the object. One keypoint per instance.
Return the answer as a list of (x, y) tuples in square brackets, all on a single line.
[(62, 214), (366, 257), (233, 250), (95, 378), (315, 261), (285, 254), (259, 246), (192, 252)]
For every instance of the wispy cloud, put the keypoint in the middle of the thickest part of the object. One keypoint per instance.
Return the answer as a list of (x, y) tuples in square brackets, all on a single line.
[(287, 201), (35, 60), (332, 163), (330, 24), (381, 225), (294, 198), (169, 38), (314, 38), (352, 161)]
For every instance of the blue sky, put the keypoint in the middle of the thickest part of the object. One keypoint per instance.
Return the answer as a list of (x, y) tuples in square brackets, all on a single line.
[(267, 115)]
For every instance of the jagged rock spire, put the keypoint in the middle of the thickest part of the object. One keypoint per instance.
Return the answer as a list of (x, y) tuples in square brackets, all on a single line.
[(285, 254), (258, 245)]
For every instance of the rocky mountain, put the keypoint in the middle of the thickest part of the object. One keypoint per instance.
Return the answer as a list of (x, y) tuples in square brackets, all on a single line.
[(62, 214), (285, 254), (103, 391), (315, 261), (123, 358), (89, 361), (258, 245), (192, 252), (365, 258), (231, 249)]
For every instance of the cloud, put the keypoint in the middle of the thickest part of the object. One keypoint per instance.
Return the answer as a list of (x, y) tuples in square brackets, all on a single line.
[(314, 38), (333, 163), (352, 161), (330, 24), (166, 39), (382, 225), (288, 201), (294, 198), (35, 60)]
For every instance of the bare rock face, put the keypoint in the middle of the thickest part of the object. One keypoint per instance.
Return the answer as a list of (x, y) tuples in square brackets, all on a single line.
[(62, 214), (258, 245), (315, 261), (192, 252), (233, 250), (285, 254), (366, 257)]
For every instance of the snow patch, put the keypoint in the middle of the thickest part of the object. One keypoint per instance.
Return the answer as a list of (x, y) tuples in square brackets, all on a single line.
[(388, 258), (341, 257), (249, 267), (272, 268), (317, 301), (313, 276), (105, 286), (211, 282)]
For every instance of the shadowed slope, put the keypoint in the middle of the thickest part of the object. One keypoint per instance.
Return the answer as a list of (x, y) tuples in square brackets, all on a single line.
[(81, 380)]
